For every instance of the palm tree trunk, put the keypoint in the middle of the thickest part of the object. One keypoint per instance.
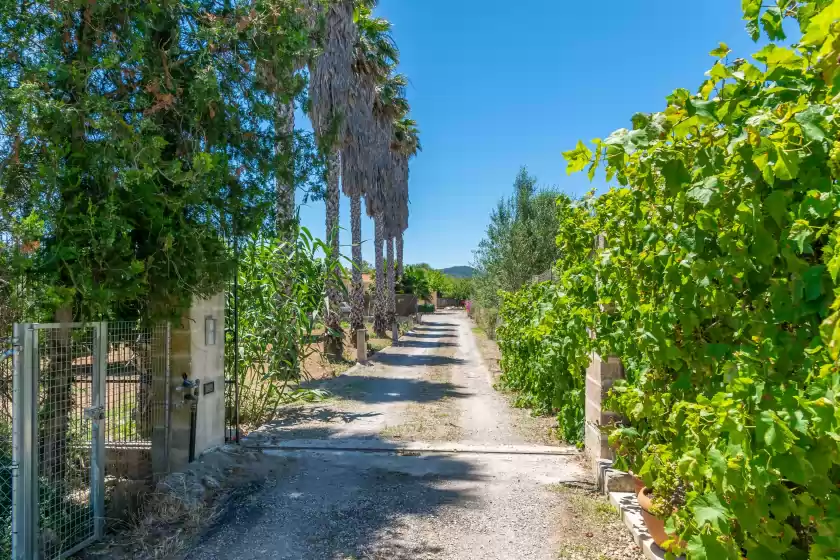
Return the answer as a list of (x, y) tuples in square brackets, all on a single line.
[(380, 322), (391, 300), (334, 343), (357, 293), (285, 180), (284, 187), (400, 255)]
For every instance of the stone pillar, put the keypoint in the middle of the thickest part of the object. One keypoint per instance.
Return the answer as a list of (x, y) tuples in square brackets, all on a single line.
[(193, 354), (361, 346), (600, 377), (208, 365)]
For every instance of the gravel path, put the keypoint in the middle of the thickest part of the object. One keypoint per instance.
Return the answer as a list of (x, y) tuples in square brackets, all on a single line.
[(444, 472)]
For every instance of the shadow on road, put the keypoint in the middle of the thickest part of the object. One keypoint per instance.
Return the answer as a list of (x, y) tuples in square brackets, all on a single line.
[(293, 415), (369, 389), (429, 335), (340, 506), (411, 361), (437, 331), (425, 344)]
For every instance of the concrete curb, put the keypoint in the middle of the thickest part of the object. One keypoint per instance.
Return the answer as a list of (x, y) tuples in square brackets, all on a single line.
[(631, 514), (376, 446)]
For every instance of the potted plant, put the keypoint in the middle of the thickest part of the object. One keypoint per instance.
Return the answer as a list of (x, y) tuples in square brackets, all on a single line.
[(660, 503)]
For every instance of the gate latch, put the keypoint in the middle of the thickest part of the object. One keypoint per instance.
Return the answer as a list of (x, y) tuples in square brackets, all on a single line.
[(95, 413)]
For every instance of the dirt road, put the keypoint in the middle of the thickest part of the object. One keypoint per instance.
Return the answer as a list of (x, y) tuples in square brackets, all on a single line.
[(415, 456)]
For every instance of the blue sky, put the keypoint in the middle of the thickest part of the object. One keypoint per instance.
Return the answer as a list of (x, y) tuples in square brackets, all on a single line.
[(497, 85)]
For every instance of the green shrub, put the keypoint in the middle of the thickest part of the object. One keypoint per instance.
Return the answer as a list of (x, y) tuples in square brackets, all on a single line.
[(714, 278), (487, 319), (543, 358), (426, 308), (282, 287)]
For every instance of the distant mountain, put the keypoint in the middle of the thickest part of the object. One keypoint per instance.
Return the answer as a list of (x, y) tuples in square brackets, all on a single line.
[(459, 271)]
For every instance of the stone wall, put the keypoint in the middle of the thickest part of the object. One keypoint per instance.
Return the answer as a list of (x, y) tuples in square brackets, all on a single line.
[(406, 305)]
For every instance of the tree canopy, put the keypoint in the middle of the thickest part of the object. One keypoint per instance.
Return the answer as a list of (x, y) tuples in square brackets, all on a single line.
[(135, 139), (520, 240)]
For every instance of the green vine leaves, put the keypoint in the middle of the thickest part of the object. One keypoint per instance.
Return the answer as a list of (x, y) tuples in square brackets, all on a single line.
[(720, 268)]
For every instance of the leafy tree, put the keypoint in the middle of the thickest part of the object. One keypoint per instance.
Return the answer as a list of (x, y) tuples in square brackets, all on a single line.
[(461, 289), (519, 243), (439, 283), (169, 103), (414, 280)]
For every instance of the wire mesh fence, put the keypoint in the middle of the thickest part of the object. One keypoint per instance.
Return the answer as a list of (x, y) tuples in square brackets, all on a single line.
[(135, 399), (65, 362), (6, 465)]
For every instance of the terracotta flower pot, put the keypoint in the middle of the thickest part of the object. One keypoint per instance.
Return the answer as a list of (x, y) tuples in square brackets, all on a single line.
[(655, 526)]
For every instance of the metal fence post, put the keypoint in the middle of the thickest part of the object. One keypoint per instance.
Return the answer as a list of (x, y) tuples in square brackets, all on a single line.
[(18, 503), (97, 456), (167, 388), (25, 445)]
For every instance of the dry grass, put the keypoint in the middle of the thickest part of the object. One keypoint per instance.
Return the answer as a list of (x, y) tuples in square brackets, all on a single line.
[(590, 527), (185, 505), (318, 367), (165, 525)]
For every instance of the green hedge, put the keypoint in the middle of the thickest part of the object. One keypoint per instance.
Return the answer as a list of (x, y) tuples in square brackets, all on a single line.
[(716, 283)]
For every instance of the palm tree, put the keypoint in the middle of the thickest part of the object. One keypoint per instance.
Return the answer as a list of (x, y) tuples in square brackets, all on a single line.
[(284, 125), (390, 105), (330, 77), (375, 56), (404, 145)]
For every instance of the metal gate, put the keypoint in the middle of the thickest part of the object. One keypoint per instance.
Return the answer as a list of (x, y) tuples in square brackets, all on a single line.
[(89, 403)]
